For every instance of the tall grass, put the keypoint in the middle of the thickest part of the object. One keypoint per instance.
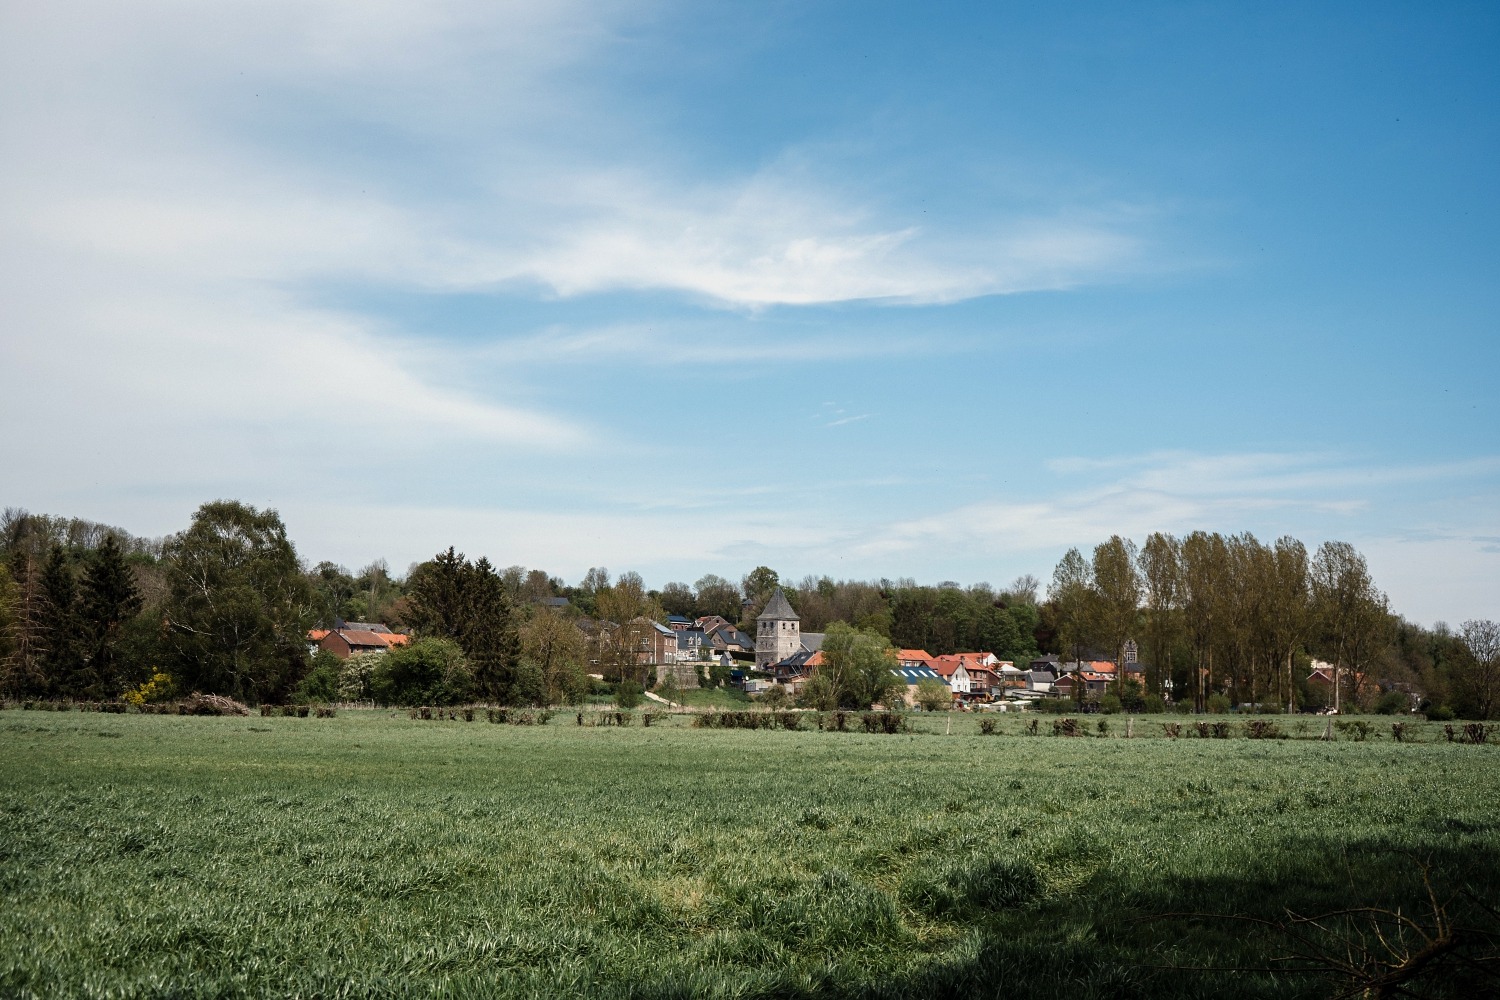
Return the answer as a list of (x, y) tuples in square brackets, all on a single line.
[(373, 854)]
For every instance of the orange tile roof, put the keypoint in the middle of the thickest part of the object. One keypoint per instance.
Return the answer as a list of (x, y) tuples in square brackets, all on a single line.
[(317, 634), (394, 638), (913, 654)]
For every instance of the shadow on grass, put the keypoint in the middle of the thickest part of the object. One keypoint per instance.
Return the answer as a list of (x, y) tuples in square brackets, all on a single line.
[(1389, 922)]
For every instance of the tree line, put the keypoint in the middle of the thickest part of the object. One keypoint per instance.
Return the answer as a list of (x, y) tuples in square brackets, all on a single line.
[(89, 611), (1233, 616)]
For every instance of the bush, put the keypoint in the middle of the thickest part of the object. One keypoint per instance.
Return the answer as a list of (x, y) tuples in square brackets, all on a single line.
[(1153, 705), (987, 727), (889, 723), (1354, 729), (1172, 730), (628, 694), (1218, 704), (1440, 713), (1260, 729), (1066, 727), (1103, 727), (158, 689), (1110, 704), (322, 681), (1393, 703), (325, 712), (424, 672)]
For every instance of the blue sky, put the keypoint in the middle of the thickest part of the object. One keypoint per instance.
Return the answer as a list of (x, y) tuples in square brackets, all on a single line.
[(850, 288)]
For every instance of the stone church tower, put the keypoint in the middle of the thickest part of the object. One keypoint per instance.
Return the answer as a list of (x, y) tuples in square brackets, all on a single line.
[(778, 632)]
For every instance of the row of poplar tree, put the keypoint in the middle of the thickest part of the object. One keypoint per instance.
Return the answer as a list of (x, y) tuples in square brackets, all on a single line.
[(1231, 614)]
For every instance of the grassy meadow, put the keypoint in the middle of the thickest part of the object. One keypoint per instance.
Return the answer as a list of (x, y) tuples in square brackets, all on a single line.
[(376, 855)]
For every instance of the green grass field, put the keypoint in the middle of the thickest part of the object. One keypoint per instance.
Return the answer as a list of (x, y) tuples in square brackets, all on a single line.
[(374, 855)]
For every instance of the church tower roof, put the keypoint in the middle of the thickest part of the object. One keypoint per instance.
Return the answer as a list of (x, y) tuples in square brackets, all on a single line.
[(778, 609)]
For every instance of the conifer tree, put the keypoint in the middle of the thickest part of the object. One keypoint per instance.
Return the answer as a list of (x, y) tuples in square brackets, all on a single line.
[(61, 661), (108, 598)]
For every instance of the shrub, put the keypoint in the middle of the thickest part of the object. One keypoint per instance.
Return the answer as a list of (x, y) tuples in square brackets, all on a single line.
[(1393, 703), (1030, 729), (324, 712), (1202, 728), (889, 723), (1172, 730), (424, 672), (1103, 727), (1066, 727), (1153, 705), (1440, 713), (1398, 732), (1110, 704), (1475, 732), (1355, 729), (303, 711), (468, 712), (1260, 729), (987, 726), (158, 689), (1218, 704), (322, 681), (628, 694), (1220, 730), (789, 720), (266, 711), (773, 697)]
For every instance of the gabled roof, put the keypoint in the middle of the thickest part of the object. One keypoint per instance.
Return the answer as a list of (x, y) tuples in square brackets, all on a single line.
[(364, 637), (813, 640), (317, 634), (906, 655), (947, 666), (778, 609)]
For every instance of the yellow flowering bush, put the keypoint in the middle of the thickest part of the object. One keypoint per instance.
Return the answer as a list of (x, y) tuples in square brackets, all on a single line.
[(159, 688)]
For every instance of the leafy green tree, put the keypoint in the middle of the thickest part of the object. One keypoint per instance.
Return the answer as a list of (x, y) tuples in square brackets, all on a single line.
[(322, 681), (1160, 562), (717, 596), (555, 648), (1353, 615), (1072, 594), (933, 695), (678, 599), (759, 584), (238, 605), (1117, 597), (431, 671), (108, 599), (858, 667)]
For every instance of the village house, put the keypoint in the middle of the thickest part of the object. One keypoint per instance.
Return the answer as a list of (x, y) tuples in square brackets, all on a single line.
[(346, 639), (954, 673)]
